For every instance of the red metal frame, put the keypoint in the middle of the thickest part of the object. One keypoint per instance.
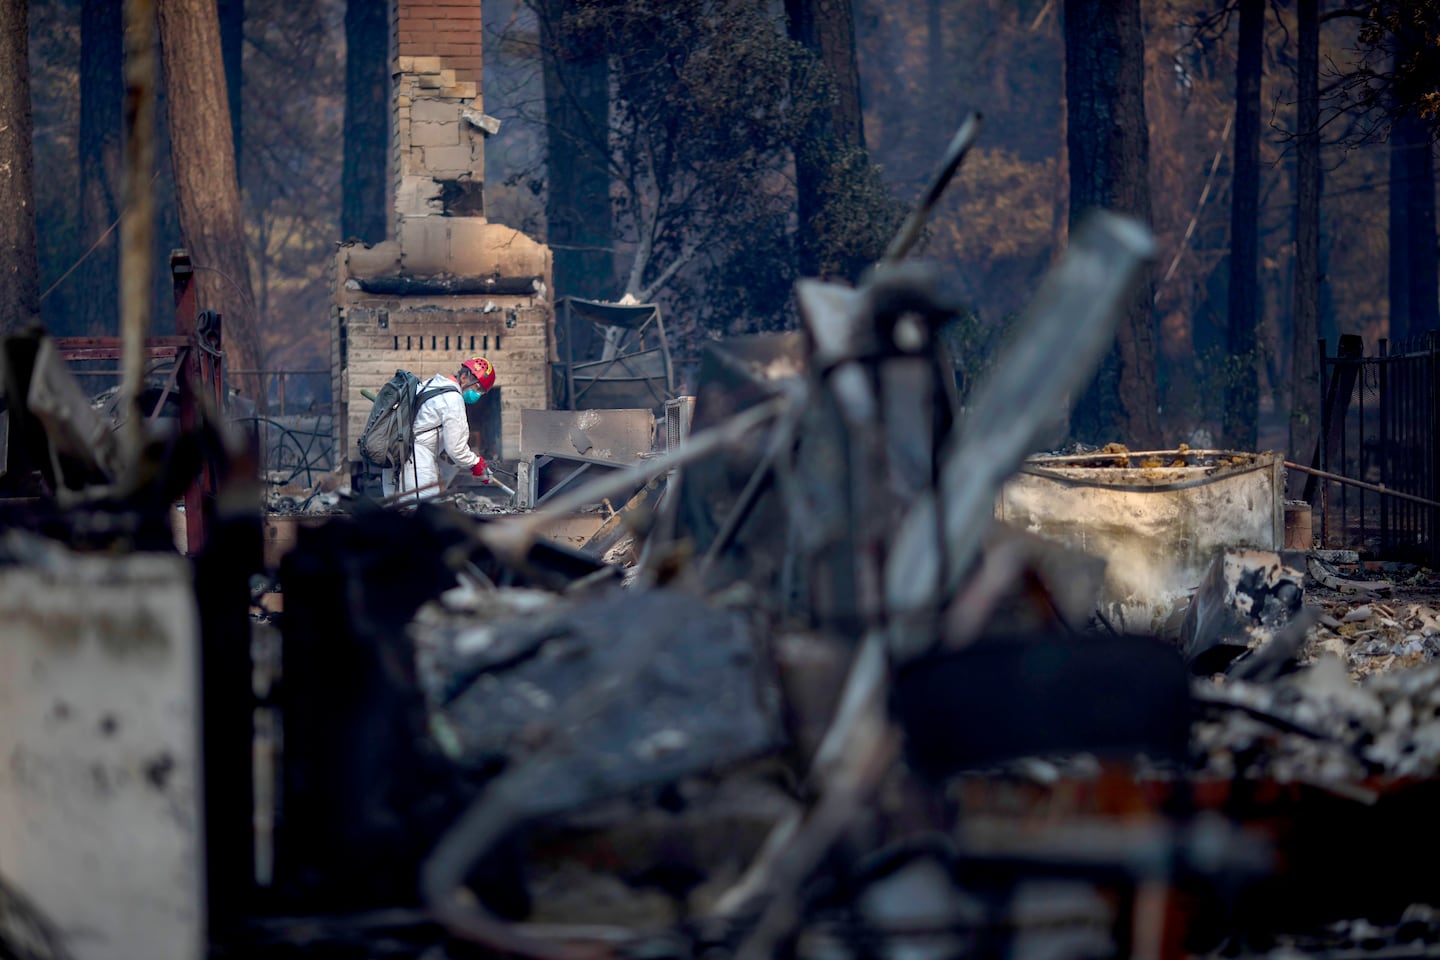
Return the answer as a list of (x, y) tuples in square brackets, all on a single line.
[(197, 370)]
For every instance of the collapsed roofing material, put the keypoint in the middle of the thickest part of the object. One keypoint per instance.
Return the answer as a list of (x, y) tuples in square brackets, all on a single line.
[(611, 713)]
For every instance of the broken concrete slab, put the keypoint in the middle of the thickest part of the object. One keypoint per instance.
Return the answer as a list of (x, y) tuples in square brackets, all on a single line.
[(1326, 576)]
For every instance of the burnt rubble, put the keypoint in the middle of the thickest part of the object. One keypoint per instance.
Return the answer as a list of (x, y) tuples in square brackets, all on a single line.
[(823, 680)]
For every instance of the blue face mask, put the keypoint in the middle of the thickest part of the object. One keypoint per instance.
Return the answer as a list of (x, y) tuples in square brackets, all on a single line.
[(472, 395)]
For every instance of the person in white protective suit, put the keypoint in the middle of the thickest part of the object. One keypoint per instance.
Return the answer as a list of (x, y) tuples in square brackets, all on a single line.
[(442, 427)]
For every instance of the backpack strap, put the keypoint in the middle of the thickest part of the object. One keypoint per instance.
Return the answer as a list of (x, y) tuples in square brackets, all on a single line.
[(429, 394)]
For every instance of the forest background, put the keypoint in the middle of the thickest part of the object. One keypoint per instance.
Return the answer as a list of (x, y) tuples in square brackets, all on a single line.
[(717, 197)]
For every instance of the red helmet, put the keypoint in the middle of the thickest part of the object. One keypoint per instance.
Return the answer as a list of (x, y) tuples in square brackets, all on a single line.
[(482, 371)]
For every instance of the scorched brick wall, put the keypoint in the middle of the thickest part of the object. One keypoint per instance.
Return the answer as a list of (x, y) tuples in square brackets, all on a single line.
[(449, 29)]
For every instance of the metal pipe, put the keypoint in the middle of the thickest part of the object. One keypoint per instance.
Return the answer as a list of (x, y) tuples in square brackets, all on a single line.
[(137, 224), (1337, 478)]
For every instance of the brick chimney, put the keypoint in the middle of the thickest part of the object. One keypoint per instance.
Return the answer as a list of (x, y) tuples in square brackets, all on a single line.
[(449, 284), (439, 121)]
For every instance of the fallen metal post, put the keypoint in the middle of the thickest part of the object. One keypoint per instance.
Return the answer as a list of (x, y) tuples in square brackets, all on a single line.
[(909, 231)]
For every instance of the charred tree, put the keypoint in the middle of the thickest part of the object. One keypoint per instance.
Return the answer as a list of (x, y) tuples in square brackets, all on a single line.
[(101, 90), (232, 51), (367, 121), (1304, 361), (206, 190), (1399, 229), (1242, 393), (1413, 278), (1424, 269), (936, 64), (1109, 146), (579, 220), (827, 29), (19, 258)]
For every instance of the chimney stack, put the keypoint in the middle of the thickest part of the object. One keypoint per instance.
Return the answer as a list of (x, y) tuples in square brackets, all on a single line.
[(439, 121)]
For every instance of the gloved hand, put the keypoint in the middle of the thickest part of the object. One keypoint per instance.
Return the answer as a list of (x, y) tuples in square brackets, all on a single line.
[(481, 470)]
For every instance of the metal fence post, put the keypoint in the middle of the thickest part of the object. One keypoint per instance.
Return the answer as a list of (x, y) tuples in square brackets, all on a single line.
[(1324, 486), (1382, 376)]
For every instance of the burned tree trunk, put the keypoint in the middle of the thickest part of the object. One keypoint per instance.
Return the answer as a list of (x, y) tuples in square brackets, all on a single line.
[(1412, 206), (1109, 146), (101, 89), (1399, 229), (1424, 269), (827, 29), (1242, 394), (206, 189), (1304, 361), (577, 200), (367, 121), (19, 259), (232, 51)]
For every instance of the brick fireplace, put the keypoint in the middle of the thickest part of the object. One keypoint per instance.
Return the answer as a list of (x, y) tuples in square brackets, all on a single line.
[(447, 284)]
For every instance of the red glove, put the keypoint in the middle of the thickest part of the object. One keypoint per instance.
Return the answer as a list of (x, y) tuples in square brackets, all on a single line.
[(480, 469)]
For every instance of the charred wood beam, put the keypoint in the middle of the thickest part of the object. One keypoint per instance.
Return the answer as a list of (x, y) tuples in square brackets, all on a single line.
[(441, 286)]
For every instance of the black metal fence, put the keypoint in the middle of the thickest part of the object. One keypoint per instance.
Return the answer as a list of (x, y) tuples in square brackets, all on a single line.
[(1378, 425)]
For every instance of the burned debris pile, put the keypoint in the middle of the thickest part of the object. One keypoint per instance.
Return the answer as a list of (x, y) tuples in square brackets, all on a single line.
[(842, 673)]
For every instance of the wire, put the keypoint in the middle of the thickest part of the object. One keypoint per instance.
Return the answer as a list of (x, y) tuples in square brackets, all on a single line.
[(83, 257), (1200, 205), (93, 247), (249, 302)]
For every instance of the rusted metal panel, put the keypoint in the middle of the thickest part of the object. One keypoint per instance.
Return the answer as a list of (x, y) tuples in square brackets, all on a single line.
[(100, 822), (108, 348), (615, 436)]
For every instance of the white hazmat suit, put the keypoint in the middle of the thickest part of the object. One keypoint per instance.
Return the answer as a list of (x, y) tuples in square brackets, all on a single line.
[(440, 425)]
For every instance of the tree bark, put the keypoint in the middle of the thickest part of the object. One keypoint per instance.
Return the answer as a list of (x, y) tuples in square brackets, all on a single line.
[(232, 51), (579, 225), (1413, 253), (1424, 275), (937, 67), (363, 213), (101, 90), (19, 259), (1304, 361), (1242, 394), (1399, 230), (1109, 156), (206, 189), (827, 29)]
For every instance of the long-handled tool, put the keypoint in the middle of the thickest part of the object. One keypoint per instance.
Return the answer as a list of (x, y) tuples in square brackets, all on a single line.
[(491, 479)]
